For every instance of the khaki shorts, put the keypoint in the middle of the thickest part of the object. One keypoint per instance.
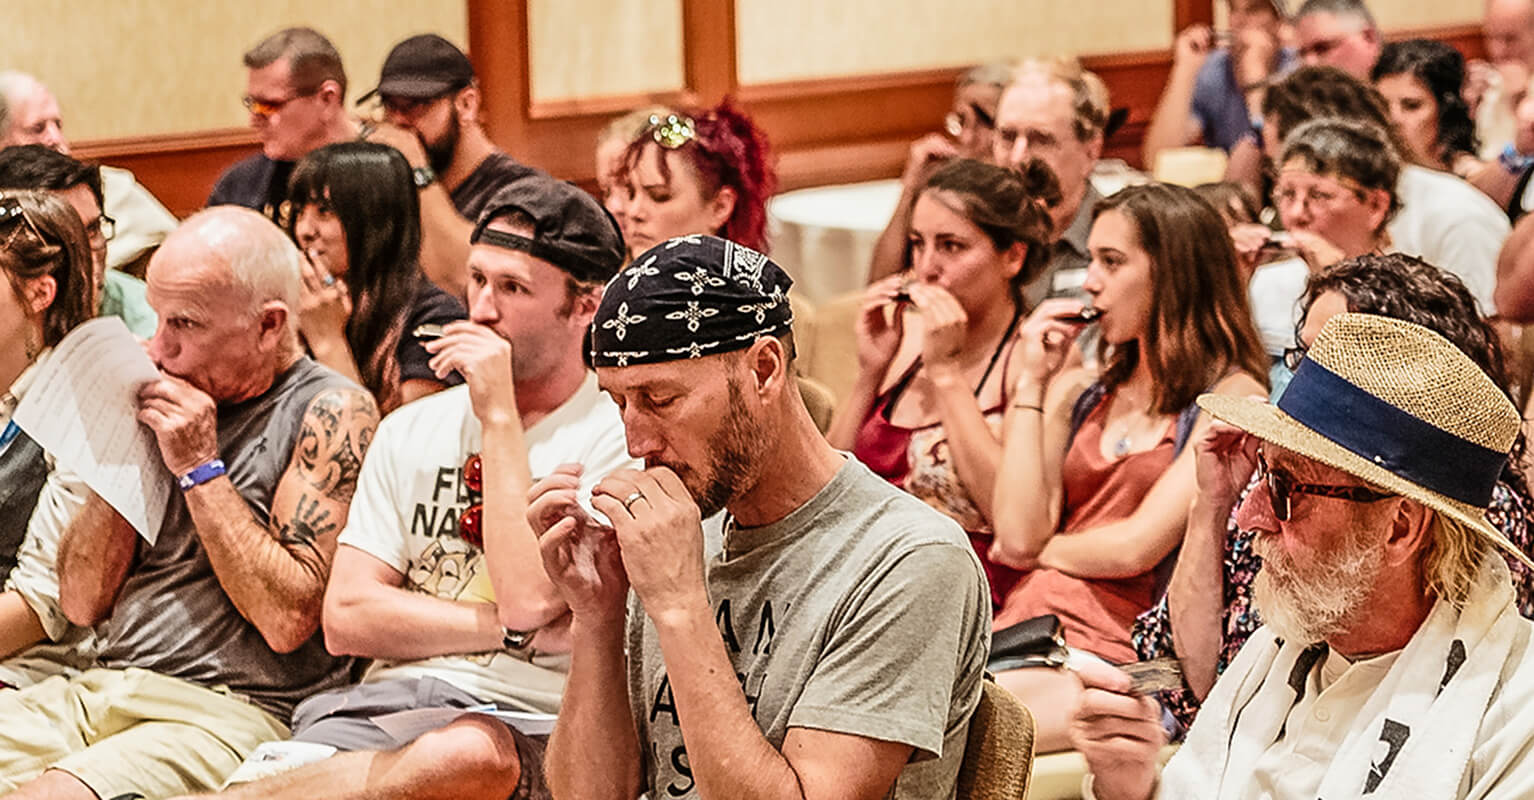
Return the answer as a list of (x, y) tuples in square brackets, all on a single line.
[(122, 731)]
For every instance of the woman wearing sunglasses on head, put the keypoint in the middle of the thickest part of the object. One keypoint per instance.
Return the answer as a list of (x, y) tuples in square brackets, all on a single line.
[(47, 290), (967, 132), (698, 171), (356, 217), (1208, 611)]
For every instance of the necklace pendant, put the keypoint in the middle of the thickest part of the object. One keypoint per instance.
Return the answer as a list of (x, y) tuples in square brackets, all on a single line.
[(1121, 447)]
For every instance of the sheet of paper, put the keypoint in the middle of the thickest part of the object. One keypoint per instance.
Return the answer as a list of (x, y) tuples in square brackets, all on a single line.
[(83, 408), (406, 726), (275, 758)]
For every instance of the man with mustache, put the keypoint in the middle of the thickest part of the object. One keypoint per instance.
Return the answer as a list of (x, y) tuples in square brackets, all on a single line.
[(825, 637), (1392, 658)]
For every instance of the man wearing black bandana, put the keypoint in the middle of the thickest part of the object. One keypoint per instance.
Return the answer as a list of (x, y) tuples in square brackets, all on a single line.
[(825, 637), (439, 580)]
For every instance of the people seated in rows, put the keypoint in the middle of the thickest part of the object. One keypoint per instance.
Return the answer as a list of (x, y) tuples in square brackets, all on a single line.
[(612, 143), (828, 630), (47, 290), (209, 636), (1443, 220), (1391, 636), (936, 348), (438, 577), (1213, 93), (1420, 81), (37, 168), (698, 171), (1338, 33), (1207, 613), (1054, 112), (29, 114), (968, 131), (1099, 477), (431, 109), (295, 91), (356, 216)]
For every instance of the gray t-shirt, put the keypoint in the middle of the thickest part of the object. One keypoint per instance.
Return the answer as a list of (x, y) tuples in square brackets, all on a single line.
[(863, 612), (173, 616)]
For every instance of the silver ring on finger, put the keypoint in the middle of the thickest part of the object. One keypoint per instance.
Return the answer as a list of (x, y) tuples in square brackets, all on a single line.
[(628, 502)]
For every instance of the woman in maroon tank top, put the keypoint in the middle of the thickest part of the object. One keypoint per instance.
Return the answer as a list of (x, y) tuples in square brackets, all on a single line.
[(1095, 495), (934, 344)]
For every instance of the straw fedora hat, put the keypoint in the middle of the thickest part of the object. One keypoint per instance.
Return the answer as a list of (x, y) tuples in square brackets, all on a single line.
[(1397, 405)]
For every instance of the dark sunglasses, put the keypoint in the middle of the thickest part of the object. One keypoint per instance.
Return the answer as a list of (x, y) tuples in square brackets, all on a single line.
[(471, 521), (1282, 487)]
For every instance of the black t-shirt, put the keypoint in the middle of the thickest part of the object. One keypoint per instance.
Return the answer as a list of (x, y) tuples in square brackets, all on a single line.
[(256, 182), (433, 306), (496, 171)]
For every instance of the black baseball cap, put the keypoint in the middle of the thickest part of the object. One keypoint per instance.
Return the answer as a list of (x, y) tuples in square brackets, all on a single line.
[(571, 230), (421, 67)]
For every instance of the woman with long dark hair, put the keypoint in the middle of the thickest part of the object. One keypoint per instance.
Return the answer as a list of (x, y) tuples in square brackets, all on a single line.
[(1421, 80), (356, 217), (1098, 481)]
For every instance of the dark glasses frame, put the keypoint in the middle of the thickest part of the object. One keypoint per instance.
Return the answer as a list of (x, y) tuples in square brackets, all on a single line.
[(1282, 487)]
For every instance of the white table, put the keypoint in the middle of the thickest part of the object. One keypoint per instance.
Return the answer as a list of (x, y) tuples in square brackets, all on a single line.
[(824, 237)]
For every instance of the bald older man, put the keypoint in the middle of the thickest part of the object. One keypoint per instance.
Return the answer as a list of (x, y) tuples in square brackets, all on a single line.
[(209, 636), (29, 114)]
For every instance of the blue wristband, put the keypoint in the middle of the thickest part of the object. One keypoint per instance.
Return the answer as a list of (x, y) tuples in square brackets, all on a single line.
[(202, 474)]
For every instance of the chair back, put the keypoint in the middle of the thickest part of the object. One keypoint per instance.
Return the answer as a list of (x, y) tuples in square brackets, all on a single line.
[(998, 758)]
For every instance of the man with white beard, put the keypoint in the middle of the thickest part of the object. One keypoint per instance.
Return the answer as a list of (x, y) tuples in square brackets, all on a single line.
[(1392, 661)]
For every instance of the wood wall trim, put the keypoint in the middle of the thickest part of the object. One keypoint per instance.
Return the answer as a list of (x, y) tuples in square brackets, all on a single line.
[(829, 130), (1191, 12)]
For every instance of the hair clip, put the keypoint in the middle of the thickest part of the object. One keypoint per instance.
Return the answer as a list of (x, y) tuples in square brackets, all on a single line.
[(673, 131)]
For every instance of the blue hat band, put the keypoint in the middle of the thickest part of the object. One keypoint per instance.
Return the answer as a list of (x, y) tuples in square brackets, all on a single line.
[(1392, 439)]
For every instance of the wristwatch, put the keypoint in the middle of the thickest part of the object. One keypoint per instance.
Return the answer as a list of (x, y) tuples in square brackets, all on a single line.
[(423, 176), (516, 640)]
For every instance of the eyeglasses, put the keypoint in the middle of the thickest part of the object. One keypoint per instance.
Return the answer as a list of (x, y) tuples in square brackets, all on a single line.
[(1285, 195), (265, 109), (1321, 48), (11, 213), (671, 131), (103, 230), (1282, 486), (956, 122), (471, 521), (1293, 356)]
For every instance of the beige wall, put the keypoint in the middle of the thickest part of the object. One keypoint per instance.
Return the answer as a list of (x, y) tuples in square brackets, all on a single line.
[(140, 67), (144, 67), (789, 39), (592, 48)]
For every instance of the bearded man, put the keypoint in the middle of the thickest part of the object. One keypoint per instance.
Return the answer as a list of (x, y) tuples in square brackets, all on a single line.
[(1393, 659), (824, 638)]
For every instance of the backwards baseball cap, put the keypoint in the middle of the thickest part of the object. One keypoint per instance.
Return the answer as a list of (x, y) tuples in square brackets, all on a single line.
[(571, 230), (423, 66), (690, 297)]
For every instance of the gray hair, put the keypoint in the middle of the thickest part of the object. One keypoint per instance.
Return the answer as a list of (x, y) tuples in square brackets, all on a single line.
[(1358, 151), (261, 261), (1354, 9), (996, 73)]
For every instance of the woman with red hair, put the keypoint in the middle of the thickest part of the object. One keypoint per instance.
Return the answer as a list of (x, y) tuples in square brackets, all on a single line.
[(698, 171)]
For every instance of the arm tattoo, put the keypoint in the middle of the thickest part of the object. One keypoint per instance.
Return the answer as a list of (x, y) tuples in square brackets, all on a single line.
[(310, 521), (337, 429)]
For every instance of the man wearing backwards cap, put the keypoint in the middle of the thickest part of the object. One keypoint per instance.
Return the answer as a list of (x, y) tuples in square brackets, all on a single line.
[(825, 637), (437, 575), (431, 104), (1393, 659)]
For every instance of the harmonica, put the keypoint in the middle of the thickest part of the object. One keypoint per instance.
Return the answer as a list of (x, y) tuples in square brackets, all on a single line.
[(1086, 316), (427, 331)]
